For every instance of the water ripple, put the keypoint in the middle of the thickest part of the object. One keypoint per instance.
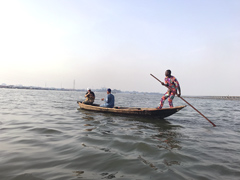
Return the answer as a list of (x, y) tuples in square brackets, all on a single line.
[(44, 136)]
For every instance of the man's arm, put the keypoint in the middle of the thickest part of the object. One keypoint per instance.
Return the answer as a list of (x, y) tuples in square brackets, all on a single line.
[(165, 84), (178, 87), (179, 91)]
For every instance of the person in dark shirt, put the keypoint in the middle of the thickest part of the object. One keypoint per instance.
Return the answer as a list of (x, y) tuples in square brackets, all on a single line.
[(90, 97)]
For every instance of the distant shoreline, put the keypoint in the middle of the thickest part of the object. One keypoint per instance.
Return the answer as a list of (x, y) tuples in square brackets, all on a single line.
[(118, 91), (215, 97)]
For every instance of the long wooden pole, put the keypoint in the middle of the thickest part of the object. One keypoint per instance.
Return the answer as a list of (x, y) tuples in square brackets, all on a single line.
[(189, 104)]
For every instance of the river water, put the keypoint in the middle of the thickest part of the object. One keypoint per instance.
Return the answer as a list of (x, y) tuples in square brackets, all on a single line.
[(44, 136)]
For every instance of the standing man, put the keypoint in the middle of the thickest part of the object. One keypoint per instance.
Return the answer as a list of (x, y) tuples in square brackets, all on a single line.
[(109, 101), (90, 97), (173, 88)]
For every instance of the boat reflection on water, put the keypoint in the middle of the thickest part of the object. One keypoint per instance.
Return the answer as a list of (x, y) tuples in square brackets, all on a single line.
[(166, 133), (137, 135)]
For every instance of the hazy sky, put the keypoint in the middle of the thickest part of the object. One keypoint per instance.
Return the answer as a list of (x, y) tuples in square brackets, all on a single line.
[(118, 43)]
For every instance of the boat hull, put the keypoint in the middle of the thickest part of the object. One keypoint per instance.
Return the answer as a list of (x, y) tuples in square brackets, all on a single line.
[(162, 113)]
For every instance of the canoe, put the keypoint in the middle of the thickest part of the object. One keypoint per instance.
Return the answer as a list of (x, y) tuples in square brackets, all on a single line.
[(162, 113)]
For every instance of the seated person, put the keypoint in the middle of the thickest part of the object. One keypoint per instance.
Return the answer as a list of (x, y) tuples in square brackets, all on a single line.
[(109, 101), (90, 97)]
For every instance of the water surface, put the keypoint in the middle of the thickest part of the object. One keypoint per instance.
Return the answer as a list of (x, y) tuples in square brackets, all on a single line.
[(44, 136)]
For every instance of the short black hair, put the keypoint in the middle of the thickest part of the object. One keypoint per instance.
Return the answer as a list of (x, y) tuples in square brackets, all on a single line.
[(169, 71), (109, 90)]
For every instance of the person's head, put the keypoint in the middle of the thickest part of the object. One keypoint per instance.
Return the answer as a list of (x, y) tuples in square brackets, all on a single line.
[(168, 73), (109, 91), (88, 89)]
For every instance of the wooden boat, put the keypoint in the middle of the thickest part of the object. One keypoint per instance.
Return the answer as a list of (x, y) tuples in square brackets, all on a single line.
[(162, 113)]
